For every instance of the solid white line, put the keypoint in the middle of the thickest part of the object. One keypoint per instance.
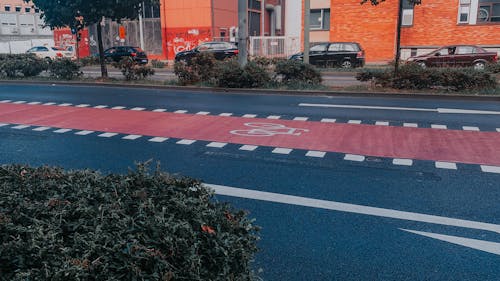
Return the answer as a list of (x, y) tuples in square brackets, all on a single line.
[(100, 106), (440, 127), (180, 111), (249, 116), (410, 125), (20, 127), (328, 120), (62, 131), (300, 118), (446, 165), (107, 135), (84, 133), (19, 102), (280, 150), (203, 113), (225, 114), (138, 109), (402, 162), (490, 169), (367, 107), (158, 139), (465, 111), (248, 147), (273, 117), (354, 122), (352, 157), (382, 123), (469, 128), (186, 142), (41, 129), (159, 110), (485, 246), (217, 144), (118, 107), (350, 208), (131, 137), (318, 154)]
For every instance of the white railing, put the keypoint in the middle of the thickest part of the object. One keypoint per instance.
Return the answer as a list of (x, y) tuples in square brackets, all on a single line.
[(273, 46)]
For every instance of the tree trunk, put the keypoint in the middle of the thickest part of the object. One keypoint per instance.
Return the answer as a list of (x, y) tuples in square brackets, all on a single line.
[(104, 71)]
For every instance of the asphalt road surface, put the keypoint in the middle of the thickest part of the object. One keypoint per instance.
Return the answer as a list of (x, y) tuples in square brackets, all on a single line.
[(345, 188)]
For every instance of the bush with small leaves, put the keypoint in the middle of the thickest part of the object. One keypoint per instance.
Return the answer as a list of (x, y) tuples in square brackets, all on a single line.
[(133, 71), (158, 64), (22, 65), (231, 75), (64, 68), (493, 67), (293, 71), (89, 61), (185, 73)]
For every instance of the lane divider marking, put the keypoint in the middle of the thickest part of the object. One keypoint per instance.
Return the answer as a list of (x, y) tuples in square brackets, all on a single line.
[(317, 154), (20, 127), (158, 139), (353, 157), (62, 131), (445, 165), (280, 150), (186, 142), (217, 144), (248, 147), (84, 133), (131, 137), (402, 162), (41, 129)]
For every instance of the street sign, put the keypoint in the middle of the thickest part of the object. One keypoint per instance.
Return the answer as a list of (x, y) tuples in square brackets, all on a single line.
[(122, 32)]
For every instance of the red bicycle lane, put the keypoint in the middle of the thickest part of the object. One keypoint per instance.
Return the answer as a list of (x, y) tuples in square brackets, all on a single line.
[(370, 140)]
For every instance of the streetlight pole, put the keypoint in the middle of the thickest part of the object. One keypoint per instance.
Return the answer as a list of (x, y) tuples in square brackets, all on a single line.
[(307, 17), (398, 38), (242, 32)]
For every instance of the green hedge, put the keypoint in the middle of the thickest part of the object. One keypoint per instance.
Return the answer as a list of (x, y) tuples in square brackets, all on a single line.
[(81, 225), (64, 68), (133, 71), (22, 65)]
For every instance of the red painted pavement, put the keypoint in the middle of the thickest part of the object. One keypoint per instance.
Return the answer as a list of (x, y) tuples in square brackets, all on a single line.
[(369, 140)]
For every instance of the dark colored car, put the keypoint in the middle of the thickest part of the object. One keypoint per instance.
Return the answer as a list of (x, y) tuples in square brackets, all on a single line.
[(119, 52), (335, 54), (456, 56), (221, 51)]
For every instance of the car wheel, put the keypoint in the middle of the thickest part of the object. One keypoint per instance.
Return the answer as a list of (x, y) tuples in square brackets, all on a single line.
[(346, 64), (421, 64), (480, 65)]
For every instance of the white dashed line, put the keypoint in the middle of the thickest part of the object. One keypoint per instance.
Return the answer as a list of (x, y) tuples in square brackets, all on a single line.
[(19, 102), (100, 106), (41, 129), (353, 157), (5, 101), (158, 139), (180, 111), (468, 128), (34, 102), (248, 147), (410, 125), (317, 154), (490, 169), (62, 131), (131, 137), (273, 117), (402, 162), (225, 114), (446, 165), (159, 110), (20, 127), (83, 105), (217, 144), (441, 127), (328, 120), (382, 123), (498, 129), (203, 113), (280, 150), (107, 135), (118, 107), (138, 109), (300, 118), (249, 116), (3, 124), (84, 133), (65, 104), (49, 103), (354, 122), (186, 142)]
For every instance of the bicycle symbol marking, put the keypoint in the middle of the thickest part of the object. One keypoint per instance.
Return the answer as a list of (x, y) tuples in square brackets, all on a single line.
[(268, 130)]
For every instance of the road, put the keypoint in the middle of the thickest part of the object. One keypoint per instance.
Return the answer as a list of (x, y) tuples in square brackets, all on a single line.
[(345, 188)]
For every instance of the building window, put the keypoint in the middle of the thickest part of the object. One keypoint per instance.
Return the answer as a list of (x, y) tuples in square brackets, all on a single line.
[(488, 11), (27, 10), (150, 11), (464, 11), (7, 8), (18, 8), (407, 19), (37, 10), (254, 5), (320, 19)]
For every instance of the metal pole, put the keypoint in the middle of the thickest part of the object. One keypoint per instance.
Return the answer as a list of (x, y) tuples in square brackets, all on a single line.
[(242, 32), (262, 18), (307, 17), (141, 31), (398, 38)]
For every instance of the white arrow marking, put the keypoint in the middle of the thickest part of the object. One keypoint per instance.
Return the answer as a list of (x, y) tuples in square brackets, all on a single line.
[(485, 246)]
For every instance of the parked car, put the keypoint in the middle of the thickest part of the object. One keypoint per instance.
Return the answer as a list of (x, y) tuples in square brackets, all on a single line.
[(456, 56), (331, 54), (50, 53), (119, 52), (221, 51)]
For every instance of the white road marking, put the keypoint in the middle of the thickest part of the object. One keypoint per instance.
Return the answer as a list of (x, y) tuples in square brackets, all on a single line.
[(118, 107), (138, 109), (273, 117), (382, 123), (465, 111), (159, 110), (328, 120), (83, 105), (186, 142), (19, 102), (446, 165), (131, 137), (353, 157), (402, 162), (485, 246), (34, 102), (217, 144), (248, 147), (350, 208), (65, 104), (62, 131), (3, 124), (100, 106), (300, 118), (498, 129), (107, 135), (5, 101), (318, 154), (180, 111), (249, 116), (203, 113), (469, 128), (84, 133), (225, 114), (41, 129), (280, 150), (437, 126), (354, 122), (49, 103), (490, 169), (158, 139), (20, 127), (410, 125)]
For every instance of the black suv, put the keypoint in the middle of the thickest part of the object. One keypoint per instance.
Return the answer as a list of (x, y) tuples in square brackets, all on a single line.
[(221, 51), (342, 54), (119, 52)]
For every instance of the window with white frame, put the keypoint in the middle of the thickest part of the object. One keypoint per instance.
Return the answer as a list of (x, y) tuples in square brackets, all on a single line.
[(320, 19), (7, 8), (407, 19), (464, 11)]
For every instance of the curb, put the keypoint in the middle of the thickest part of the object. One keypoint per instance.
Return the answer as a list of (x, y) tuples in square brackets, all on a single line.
[(257, 91)]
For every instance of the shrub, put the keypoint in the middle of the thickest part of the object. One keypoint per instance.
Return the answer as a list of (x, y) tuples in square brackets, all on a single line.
[(132, 71), (231, 75), (26, 65), (158, 64), (293, 71), (493, 67), (90, 60), (81, 225), (185, 73), (204, 65), (64, 69)]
